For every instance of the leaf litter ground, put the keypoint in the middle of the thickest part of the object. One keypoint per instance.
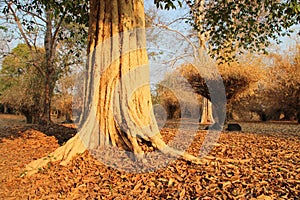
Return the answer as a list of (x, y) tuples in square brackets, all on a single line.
[(262, 162)]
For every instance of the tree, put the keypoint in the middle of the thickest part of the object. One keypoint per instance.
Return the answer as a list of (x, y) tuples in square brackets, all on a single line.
[(69, 68), (46, 18), (284, 83), (121, 112), (233, 27), (4, 42), (68, 96), (198, 7), (238, 78), (20, 82), (276, 95), (62, 100), (227, 27), (117, 102), (176, 97)]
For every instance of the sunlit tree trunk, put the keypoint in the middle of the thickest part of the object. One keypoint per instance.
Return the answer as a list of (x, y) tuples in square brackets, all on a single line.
[(206, 115), (120, 103), (117, 105)]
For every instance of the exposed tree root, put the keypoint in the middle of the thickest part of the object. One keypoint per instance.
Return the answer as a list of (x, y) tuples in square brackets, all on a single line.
[(164, 148), (75, 146), (64, 154)]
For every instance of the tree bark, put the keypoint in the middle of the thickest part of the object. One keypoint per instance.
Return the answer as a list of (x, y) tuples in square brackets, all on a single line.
[(206, 116), (117, 107), (5, 109), (50, 79)]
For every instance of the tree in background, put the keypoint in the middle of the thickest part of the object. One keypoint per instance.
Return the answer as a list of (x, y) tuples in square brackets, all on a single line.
[(70, 68), (175, 97), (235, 27), (5, 38), (228, 29), (20, 82), (198, 9), (38, 18), (276, 95), (282, 87), (284, 83), (231, 28), (62, 100), (237, 77)]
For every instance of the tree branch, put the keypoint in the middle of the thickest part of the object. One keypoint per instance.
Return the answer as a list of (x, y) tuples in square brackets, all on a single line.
[(33, 14), (18, 24), (20, 27), (57, 29)]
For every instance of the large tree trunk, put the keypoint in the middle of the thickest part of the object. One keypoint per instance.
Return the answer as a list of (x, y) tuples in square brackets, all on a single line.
[(117, 105), (117, 87)]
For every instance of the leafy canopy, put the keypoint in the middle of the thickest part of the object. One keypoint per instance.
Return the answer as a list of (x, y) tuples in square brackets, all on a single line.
[(233, 27), (75, 12), (18, 63)]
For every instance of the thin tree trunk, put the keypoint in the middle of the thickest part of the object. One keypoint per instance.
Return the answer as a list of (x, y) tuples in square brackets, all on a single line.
[(28, 116), (5, 109), (46, 117), (69, 116), (206, 115), (49, 82)]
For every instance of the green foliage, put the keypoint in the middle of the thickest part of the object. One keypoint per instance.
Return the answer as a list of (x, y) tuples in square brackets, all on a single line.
[(3, 28), (167, 4), (60, 23), (76, 12), (13, 66), (233, 27), (20, 81)]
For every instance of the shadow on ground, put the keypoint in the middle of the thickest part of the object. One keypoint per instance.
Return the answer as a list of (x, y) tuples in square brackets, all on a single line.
[(61, 132)]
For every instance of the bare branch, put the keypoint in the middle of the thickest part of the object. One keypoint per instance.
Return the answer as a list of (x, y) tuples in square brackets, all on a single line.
[(20, 27), (195, 51)]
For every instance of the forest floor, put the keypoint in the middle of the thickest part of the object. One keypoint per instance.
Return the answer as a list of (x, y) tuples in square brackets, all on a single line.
[(261, 162)]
